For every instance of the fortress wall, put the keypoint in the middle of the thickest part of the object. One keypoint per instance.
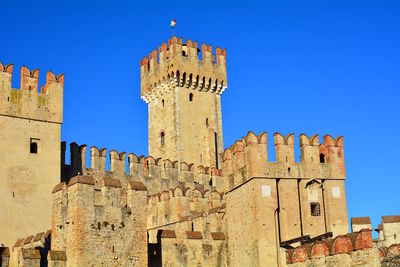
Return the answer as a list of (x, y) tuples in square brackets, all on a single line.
[(303, 198), (30, 123), (157, 174), (94, 227)]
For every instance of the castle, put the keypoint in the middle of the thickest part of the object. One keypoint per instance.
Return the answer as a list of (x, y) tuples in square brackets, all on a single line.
[(187, 204)]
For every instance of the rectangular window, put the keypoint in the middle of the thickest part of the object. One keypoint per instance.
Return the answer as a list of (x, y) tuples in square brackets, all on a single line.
[(34, 146), (315, 209)]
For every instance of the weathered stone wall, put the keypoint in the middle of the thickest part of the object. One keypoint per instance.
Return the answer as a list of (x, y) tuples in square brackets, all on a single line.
[(4, 256), (157, 174), (95, 227), (274, 199), (26, 179)]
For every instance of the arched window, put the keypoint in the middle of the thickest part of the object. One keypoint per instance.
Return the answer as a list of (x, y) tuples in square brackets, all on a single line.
[(191, 97), (322, 158), (162, 138)]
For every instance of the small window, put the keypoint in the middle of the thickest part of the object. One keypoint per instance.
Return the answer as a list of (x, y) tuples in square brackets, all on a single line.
[(207, 122), (322, 158), (286, 159), (191, 97), (315, 209), (162, 138), (395, 236), (162, 101), (34, 146), (210, 182), (288, 170)]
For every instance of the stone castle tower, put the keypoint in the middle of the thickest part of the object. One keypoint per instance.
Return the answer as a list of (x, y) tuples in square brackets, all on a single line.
[(30, 136), (184, 106)]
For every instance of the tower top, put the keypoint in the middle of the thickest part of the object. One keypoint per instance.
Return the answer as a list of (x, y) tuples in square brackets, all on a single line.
[(179, 64)]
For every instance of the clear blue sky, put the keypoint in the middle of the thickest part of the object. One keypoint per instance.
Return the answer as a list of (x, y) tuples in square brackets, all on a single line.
[(327, 67)]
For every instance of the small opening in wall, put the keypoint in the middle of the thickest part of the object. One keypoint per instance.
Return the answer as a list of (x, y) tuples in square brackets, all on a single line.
[(184, 53), (112, 248), (34, 146), (207, 122), (162, 102), (312, 160), (13, 194), (30, 88), (395, 236), (322, 158), (210, 182), (192, 227), (288, 170), (315, 209), (201, 158), (8, 99), (286, 159), (162, 138), (191, 97)]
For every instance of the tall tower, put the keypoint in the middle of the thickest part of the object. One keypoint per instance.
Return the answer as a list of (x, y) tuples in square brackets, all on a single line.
[(30, 137), (183, 93)]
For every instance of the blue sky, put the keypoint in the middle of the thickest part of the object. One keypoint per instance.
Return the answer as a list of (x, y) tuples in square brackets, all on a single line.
[(327, 67)]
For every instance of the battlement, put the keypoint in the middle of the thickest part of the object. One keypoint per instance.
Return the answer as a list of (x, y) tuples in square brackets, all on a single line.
[(353, 249), (178, 64), (248, 158), (28, 102), (157, 174)]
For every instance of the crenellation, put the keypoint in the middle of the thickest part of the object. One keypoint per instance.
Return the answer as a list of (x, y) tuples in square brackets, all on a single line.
[(28, 102), (179, 65)]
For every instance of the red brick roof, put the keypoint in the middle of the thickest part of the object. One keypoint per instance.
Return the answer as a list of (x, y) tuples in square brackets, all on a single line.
[(168, 234), (139, 186), (391, 219), (218, 236), (194, 235), (81, 180), (112, 182), (360, 220), (59, 187)]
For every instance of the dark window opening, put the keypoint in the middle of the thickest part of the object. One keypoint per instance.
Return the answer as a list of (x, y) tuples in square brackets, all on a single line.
[(34, 147), (201, 158), (13, 194), (191, 97), (162, 101), (8, 99), (192, 227), (207, 122), (395, 236), (322, 158), (288, 170), (210, 183), (184, 53), (162, 138), (315, 209), (30, 88)]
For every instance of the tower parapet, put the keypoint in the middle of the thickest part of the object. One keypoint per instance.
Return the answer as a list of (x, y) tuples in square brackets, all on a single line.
[(28, 102), (178, 64)]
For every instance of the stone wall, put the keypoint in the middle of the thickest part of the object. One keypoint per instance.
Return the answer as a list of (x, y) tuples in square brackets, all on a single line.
[(157, 174), (271, 202), (95, 226), (30, 136)]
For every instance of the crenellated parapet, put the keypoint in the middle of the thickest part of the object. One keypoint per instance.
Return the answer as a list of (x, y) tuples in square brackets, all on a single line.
[(28, 102), (178, 64), (248, 158), (181, 205), (356, 244), (157, 174), (103, 215)]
